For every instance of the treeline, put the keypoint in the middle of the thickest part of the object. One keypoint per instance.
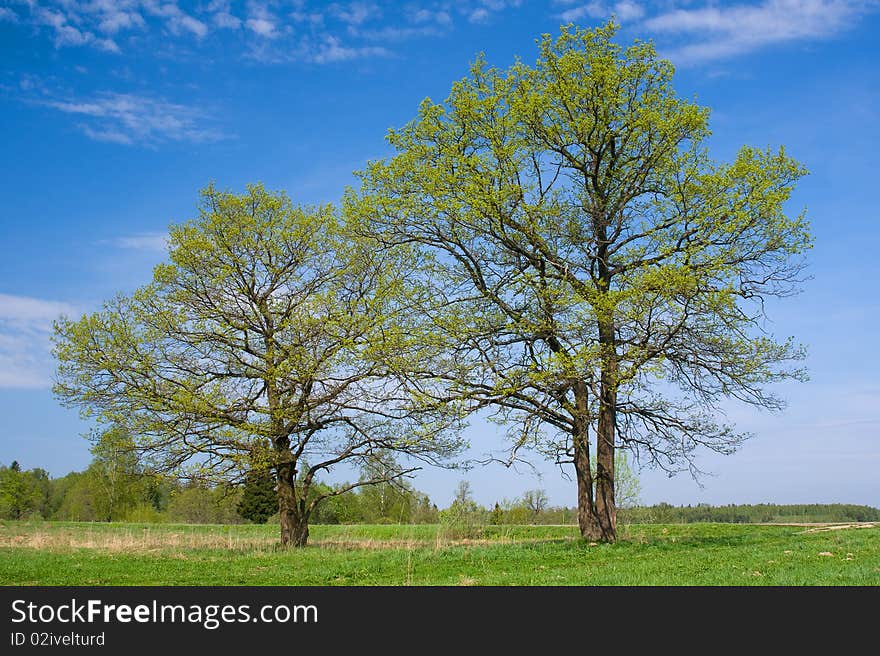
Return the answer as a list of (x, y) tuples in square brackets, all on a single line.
[(114, 488), (762, 513), (107, 492)]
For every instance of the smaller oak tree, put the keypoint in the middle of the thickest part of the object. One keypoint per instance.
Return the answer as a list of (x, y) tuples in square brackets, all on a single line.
[(273, 336)]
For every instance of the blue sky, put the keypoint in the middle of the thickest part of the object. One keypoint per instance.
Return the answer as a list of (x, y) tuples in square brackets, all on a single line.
[(113, 114)]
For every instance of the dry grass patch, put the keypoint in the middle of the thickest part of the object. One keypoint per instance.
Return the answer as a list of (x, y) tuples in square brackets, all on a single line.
[(132, 540), (838, 527)]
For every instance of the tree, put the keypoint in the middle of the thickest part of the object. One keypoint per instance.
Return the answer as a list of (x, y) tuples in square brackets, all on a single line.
[(497, 516), (196, 503), (259, 498), (463, 493), (597, 276), (22, 493), (273, 335), (77, 502), (535, 501), (116, 473), (627, 489), (389, 501)]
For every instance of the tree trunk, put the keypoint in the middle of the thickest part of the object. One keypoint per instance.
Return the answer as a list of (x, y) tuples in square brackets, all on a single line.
[(606, 507), (294, 521), (607, 421), (588, 518)]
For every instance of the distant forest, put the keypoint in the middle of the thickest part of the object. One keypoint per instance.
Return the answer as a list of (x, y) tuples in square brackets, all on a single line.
[(110, 490)]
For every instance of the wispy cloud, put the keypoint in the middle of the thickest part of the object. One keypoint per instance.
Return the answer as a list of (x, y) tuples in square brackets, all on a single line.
[(151, 242), (222, 16), (227, 21), (422, 15), (132, 119), (729, 30), (588, 10), (97, 23), (269, 31), (67, 34), (113, 16), (320, 32), (176, 20), (261, 21), (478, 15), (388, 34), (25, 324), (8, 15), (624, 11), (481, 11), (331, 49), (23, 311), (355, 13)]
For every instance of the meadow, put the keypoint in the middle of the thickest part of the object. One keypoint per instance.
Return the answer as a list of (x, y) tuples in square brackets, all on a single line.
[(90, 553)]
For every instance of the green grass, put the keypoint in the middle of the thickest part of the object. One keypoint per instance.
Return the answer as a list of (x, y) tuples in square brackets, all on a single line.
[(69, 553)]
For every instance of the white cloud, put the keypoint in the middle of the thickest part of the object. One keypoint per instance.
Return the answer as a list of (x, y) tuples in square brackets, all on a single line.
[(478, 15), (69, 35), (421, 16), (132, 119), (26, 311), (482, 13), (25, 325), (221, 15), (261, 21), (261, 26), (591, 10), (153, 242), (628, 10), (176, 20), (355, 13), (224, 20), (331, 50), (8, 15), (725, 31), (113, 16), (398, 33), (279, 31), (107, 135), (625, 10), (313, 18)]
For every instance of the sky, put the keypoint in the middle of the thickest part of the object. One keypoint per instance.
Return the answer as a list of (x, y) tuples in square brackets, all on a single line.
[(114, 113)]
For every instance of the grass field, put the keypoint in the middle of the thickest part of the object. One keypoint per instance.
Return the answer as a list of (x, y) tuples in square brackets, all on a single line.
[(68, 553)]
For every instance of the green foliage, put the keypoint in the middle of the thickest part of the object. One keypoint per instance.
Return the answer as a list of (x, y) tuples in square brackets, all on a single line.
[(535, 501), (591, 267), (390, 499), (259, 498), (23, 494), (340, 509), (116, 475), (464, 518), (77, 498), (627, 489), (664, 513), (144, 513), (197, 504), (274, 334)]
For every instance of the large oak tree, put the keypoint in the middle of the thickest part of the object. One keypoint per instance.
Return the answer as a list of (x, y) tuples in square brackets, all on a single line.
[(273, 337), (596, 274)]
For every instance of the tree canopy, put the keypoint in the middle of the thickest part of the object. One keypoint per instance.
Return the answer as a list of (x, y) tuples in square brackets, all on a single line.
[(595, 273), (274, 335)]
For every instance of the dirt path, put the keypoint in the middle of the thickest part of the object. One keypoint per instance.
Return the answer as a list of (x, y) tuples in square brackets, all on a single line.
[(816, 527)]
